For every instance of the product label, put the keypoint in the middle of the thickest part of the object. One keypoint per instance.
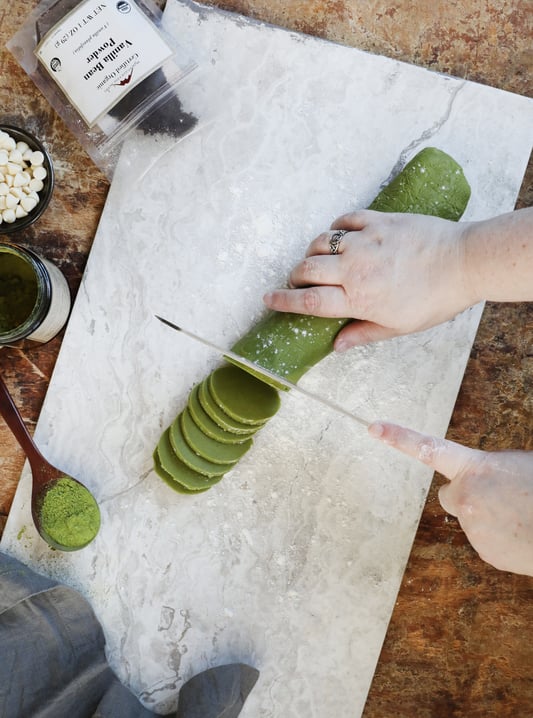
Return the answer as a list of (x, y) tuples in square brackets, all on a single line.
[(99, 51)]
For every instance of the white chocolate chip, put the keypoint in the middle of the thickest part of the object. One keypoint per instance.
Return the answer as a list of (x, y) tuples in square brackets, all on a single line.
[(28, 203), (36, 185), (8, 215), (21, 179), (15, 156), (4, 188), (11, 201), (39, 173), (22, 147), (20, 212), (37, 158), (9, 143)]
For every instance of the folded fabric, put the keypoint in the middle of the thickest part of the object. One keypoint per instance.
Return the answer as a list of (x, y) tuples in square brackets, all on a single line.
[(53, 664), (52, 660), (219, 692)]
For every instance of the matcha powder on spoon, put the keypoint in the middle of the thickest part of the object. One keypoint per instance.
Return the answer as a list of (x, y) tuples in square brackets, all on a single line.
[(69, 515)]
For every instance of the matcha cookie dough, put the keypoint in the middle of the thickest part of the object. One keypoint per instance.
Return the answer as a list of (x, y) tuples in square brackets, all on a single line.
[(230, 405)]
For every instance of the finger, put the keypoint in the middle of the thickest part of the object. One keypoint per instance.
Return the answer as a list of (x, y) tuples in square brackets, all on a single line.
[(446, 457), (353, 220), (359, 333), (316, 270), (319, 301), (323, 243)]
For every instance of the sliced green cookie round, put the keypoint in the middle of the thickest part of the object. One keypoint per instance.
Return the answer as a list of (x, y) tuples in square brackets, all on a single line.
[(242, 396), (208, 448), (179, 471), (189, 457), (208, 425), (167, 478), (219, 416)]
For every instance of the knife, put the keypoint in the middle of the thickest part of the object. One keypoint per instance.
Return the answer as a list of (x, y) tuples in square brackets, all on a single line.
[(265, 372)]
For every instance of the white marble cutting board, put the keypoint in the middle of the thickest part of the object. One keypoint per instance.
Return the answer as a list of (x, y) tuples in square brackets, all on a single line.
[(293, 562)]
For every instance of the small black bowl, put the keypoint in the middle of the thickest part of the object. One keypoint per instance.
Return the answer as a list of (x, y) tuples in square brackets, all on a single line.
[(20, 135)]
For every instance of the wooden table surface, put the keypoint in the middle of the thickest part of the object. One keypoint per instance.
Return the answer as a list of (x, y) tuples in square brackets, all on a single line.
[(459, 642)]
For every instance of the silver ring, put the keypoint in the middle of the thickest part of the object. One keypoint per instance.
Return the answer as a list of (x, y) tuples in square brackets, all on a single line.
[(335, 240)]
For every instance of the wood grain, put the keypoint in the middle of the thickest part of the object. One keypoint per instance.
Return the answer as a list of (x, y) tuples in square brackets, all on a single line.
[(458, 643), (63, 235)]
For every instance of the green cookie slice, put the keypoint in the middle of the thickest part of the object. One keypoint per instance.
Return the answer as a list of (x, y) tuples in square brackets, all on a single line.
[(178, 470), (208, 448), (242, 396), (167, 478), (209, 427), (219, 416), (189, 457)]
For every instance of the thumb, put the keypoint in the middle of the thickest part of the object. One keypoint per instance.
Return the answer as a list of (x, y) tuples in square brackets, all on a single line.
[(446, 457), (359, 332)]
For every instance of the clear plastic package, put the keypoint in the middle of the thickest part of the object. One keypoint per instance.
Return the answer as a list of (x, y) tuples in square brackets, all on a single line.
[(107, 68)]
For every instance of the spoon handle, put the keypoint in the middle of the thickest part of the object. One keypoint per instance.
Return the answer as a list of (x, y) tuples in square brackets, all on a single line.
[(14, 420)]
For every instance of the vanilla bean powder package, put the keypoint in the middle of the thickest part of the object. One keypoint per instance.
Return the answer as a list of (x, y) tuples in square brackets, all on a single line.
[(108, 68)]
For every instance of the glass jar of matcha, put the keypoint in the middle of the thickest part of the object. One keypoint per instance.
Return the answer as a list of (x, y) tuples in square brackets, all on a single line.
[(34, 296)]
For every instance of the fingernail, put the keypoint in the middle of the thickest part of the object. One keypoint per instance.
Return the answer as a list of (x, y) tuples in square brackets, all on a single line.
[(341, 346), (267, 298), (376, 430)]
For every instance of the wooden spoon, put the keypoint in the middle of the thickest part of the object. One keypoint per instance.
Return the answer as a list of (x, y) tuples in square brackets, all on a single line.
[(77, 521)]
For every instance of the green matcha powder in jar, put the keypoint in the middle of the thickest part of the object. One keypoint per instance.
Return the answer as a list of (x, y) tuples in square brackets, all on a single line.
[(34, 296)]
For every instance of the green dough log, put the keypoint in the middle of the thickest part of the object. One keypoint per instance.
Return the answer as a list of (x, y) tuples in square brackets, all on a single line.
[(242, 396), (290, 344), (229, 406), (210, 449)]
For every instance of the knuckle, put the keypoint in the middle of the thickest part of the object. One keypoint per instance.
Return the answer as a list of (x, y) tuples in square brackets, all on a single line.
[(311, 300), (361, 305), (310, 268), (278, 300), (428, 449)]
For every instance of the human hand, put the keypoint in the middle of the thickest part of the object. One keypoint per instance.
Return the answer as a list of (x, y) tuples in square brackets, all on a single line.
[(490, 493), (395, 273)]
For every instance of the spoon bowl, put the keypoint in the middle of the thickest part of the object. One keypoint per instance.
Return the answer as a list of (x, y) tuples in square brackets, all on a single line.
[(64, 511)]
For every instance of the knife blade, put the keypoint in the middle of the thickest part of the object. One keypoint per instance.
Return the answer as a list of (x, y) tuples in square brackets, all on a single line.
[(265, 372)]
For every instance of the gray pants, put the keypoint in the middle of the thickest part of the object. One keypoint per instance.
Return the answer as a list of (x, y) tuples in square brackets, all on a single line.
[(53, 665)]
